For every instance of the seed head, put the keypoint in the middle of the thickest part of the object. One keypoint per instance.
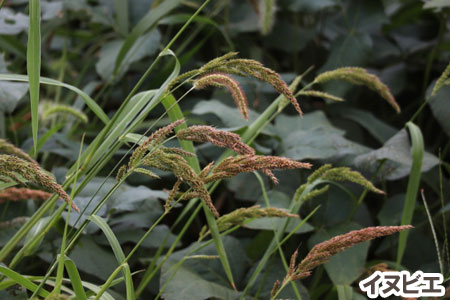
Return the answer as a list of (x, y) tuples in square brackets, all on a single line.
[(217, 137), (240, 215), (8, 148), (360, 76), (11, 166), (233, 165), (16, 194), (442, 80), (233, 86)]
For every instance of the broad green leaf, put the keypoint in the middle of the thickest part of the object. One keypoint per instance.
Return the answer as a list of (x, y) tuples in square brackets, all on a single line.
[(145, 45), (436, 4), (377, 128), (34, 63), (314, 137), (397, 152), (145, 24), (203, 283)]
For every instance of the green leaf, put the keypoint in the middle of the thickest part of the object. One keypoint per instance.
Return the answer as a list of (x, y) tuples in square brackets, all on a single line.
[(75, 279), (145, 45), (12, 23), (345, 292), (21, 280), (377, 128), (397, 152), (121, 9), (117, 249), (206, 277), (88, 100), (145, 24), (437, 4), (314, 137), (34, 63), (413, 185)]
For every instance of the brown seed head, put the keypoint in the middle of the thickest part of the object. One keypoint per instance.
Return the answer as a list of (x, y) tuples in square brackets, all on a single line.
[(225, 80), (217, 137), (11, 166)]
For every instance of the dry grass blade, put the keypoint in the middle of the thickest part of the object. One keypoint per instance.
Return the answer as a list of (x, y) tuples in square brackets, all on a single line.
[(11, 166), (360, 76)]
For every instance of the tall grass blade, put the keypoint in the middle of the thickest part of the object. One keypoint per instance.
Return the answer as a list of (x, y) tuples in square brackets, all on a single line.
[(120, 256), (413, 186), (75, 279), (34, 63)]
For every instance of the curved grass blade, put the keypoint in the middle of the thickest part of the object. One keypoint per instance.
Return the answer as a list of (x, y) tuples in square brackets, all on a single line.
[(120, 256), (22, 281), (413, 186), (75, 279), (44, 80), (34, 63)]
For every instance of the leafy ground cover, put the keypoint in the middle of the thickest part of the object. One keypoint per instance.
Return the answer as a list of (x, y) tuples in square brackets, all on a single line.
[(221, 149)]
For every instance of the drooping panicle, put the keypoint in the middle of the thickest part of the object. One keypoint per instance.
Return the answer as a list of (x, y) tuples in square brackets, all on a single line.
[(225, 80), (360, 76), (8, 148), (11, 166), (217, 137), (231, 166)]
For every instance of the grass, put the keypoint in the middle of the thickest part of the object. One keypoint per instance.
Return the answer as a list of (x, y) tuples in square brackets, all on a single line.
[(119, 147)]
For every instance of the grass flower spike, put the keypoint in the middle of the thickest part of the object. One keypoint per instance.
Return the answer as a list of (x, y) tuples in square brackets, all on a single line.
[(11, 167), (240, 215), (8, 148), (225, 80), (360, 76), (16, 194), (217, 137), (322, 252), (233, 166)]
